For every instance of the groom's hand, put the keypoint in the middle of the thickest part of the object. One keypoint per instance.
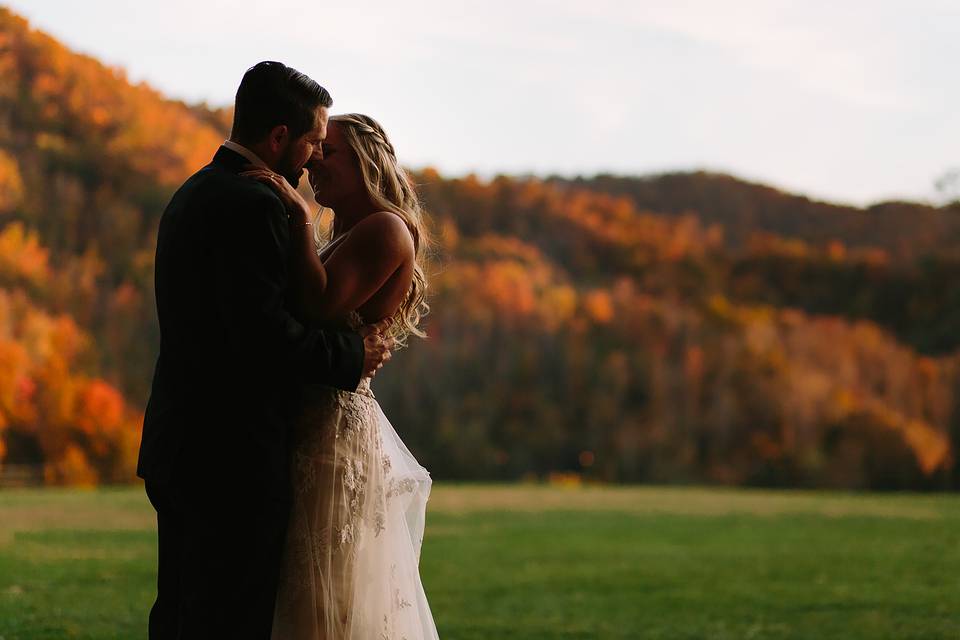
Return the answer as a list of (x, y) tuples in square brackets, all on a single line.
[(376, 347)]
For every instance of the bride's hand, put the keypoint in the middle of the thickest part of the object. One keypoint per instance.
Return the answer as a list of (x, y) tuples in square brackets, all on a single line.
[(376, 347), (292, 201)]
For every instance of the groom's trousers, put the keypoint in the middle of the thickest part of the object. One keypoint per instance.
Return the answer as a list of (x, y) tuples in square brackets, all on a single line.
[(220, 548)]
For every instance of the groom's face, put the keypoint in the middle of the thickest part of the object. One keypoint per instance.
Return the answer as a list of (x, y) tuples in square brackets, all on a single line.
[(297, 152)]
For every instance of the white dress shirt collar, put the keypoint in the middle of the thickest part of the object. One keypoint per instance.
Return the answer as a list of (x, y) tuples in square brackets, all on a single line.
[(246, 153)]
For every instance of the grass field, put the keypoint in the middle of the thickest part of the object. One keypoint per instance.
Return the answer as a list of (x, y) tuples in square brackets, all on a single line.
[(549, 563)]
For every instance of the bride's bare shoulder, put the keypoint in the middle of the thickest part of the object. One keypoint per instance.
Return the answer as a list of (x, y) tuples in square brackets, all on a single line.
[(388, 231)]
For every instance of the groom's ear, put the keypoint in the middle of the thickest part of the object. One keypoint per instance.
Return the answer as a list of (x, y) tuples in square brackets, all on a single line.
[(279, 137)]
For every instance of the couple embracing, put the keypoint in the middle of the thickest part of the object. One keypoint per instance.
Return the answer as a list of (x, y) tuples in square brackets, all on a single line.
[(287, 505)]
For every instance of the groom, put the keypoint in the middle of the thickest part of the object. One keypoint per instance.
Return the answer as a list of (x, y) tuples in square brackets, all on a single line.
[(214, 447)]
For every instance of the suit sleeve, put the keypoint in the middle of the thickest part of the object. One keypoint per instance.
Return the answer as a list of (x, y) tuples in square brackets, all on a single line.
[(251, 270)]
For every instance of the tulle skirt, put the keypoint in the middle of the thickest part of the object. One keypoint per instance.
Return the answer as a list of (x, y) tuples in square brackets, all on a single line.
[(350, 565)]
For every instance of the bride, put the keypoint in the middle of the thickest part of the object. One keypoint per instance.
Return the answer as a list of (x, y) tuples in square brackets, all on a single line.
[(350, 566)]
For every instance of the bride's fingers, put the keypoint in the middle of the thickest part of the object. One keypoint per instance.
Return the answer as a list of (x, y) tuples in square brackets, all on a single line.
[(272, 180), (257, 175), (261, 174)]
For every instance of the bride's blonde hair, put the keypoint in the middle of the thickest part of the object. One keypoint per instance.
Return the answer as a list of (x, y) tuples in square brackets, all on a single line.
[(390, 188)]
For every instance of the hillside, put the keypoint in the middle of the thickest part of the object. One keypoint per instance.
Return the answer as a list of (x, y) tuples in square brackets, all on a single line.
[(744, 208), (672, 328)]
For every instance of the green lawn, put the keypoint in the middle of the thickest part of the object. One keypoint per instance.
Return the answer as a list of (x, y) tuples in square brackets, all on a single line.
[(538, 562)]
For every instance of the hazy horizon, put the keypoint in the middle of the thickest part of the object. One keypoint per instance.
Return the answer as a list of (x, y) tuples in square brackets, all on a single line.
[(847, 104)]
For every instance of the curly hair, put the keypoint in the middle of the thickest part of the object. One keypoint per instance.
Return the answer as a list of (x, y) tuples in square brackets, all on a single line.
[(390, 187)]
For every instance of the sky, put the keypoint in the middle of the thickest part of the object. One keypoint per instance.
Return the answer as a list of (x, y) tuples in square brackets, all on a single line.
[(852, 101)]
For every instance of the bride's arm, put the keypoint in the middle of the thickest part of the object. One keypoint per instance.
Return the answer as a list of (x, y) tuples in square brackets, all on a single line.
[(308, 278), (378, 246)]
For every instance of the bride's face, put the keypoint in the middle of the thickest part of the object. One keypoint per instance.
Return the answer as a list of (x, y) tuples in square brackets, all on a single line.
[(335, 177)]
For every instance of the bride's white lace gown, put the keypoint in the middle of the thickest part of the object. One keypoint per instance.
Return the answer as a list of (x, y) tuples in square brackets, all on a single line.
[(350, 566)]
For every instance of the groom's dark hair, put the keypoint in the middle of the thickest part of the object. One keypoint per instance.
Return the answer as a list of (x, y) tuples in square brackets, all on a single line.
[(272, 94)]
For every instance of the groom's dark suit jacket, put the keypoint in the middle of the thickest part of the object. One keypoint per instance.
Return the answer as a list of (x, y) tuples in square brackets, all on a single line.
[(231, 354)]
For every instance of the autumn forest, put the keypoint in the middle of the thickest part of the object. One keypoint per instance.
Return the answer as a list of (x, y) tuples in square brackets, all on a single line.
[(672, 328)]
